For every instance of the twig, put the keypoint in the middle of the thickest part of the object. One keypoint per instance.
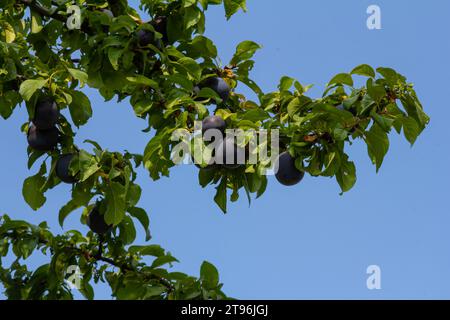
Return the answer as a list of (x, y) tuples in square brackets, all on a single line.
[(43, 11)]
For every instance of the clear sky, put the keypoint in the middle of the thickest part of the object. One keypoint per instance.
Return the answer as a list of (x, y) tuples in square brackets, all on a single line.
[(305, 241)]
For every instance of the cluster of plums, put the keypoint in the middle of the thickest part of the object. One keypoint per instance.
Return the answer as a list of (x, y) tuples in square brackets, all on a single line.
[(287, 173), (43, 135), (227, 149)]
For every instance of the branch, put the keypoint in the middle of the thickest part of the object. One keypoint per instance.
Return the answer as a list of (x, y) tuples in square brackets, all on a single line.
[(99, 257), (33, 5), (124, 268)]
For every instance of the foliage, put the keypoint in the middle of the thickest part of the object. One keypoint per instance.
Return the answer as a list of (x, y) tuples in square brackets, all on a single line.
[(40, 57)]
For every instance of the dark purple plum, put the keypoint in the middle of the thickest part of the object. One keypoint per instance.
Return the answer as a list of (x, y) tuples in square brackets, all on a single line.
[(160, 25), (145, 37), (219, 85), (63, 168), (213, 122), (287, 173), (229, 152), (96, 221), (46, 114), (42, 140)]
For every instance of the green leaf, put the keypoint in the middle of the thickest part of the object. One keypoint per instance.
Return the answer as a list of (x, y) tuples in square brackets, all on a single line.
[(341, 79), (114, 55), (36, 22), (364, 70), (286, 83), (411, 129), (141, 107), (10, 35), (29, 87), (94, 143), (192, 15), (154, 291), (191, 67), (221, 195), (67, 209), (25, 247), (384, 122), (209, 275), (32, 189), (132, 290), (377, 144), (233, 6), (199, 47), (415, 109), (87, 291), (346, 175), (116, 206), (160, 261), (79, 75), (139, 79), (142, 217), (293, 106), (127, 231), (244, 51), (80, 108), (150, 250), (377, 92), (391, 76), (205, 177), (133, 194), (85, 164)]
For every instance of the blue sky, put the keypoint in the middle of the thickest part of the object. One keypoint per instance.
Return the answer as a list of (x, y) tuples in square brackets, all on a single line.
[(307, 241)]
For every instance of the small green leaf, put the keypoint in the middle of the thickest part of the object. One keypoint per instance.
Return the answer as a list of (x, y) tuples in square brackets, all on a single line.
[(150, 250), (209, 275), (364, 70), (32, 189), (191, 67), (10, 34), (233, 6), (85, 164), (114, 55), (244, 51), (346, 175), (384, 122), (410, 129), (221, 195), (29, 87), (79, 75), (142, 217), (160, 261), (342, 79), (80, 108), (286, 83), (67, 209), (139, 79), (127, 231), (192, 15), (377, 144), (115, 197), (36, 22)]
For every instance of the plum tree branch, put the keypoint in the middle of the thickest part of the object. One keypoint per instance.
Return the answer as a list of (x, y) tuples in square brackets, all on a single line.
[(123, 267), (34, 5)]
